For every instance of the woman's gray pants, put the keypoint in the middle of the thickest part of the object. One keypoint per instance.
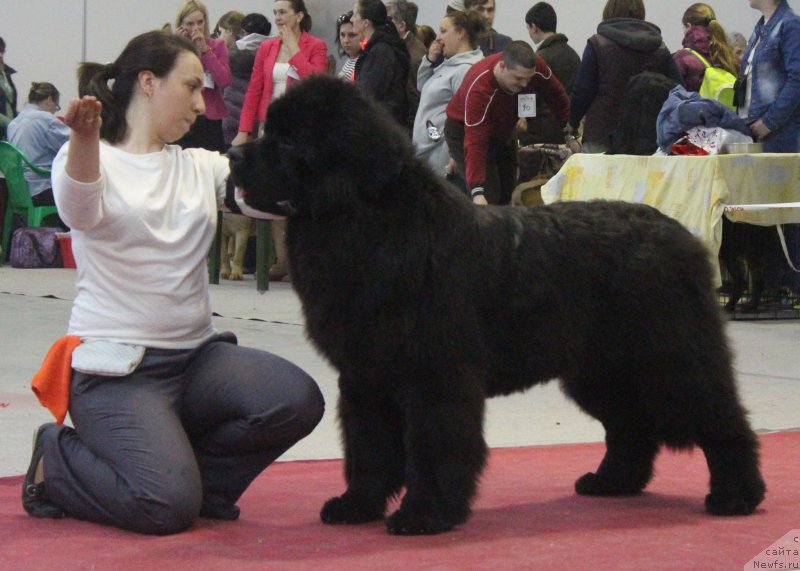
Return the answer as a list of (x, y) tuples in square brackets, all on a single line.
[(187, 427)]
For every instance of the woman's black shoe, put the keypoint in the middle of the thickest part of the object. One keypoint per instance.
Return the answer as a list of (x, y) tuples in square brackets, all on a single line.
[(215, 510), (34, 499)]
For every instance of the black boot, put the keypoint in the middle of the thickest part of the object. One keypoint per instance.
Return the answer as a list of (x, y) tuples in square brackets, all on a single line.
[(34, 499)]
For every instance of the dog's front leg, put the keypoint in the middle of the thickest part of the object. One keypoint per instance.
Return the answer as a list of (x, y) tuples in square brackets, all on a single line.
[(372, 435), (445, 453), (239, 250)]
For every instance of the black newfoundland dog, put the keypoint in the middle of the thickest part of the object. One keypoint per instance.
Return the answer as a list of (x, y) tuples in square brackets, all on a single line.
[(427, 305)]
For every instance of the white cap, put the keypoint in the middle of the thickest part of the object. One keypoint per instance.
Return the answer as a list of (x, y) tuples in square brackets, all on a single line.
[(456, 5)]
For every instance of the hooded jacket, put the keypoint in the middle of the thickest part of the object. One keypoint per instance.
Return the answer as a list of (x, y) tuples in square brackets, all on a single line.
[(437, 85), (241, 56), (382, 71), (621, 48)]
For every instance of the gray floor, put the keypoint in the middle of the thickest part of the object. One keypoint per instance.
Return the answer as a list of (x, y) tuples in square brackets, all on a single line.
[(35, 305)]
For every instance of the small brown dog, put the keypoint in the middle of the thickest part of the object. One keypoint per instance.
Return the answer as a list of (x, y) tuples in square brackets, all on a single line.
[(236, 229)]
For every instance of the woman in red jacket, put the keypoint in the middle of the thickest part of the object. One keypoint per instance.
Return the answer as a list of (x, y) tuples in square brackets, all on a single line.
[(280, 61)]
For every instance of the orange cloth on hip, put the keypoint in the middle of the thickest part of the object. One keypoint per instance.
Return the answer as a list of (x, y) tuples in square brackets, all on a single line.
[(51, 382)]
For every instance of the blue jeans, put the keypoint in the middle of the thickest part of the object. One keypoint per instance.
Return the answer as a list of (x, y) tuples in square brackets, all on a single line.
[(187, 426)]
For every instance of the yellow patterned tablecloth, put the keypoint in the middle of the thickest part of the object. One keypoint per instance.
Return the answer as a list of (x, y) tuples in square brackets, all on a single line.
[(693, 190)]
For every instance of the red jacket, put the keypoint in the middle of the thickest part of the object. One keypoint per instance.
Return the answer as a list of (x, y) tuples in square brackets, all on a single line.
[(487, 112), (309, 60)]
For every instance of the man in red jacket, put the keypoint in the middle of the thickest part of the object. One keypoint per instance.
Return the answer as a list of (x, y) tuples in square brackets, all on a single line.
[(482, 115)]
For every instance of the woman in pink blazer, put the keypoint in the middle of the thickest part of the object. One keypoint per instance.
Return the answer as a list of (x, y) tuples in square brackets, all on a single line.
[(295, 50), (280, 61)]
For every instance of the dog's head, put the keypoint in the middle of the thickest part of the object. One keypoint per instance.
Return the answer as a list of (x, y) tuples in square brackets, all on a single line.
[(325, 147)]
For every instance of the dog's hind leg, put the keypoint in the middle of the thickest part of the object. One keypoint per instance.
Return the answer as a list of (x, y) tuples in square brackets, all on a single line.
[(445, 454), (736, 483), (731, 450), (627, 465), (374, 458), (630, 445)]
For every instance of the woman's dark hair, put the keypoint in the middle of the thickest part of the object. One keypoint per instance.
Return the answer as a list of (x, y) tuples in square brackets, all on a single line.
[(375, 12), (300, 6), (155, 51), (40, 91), (624, 9), (341, 21), (472, 23), (256, 23), (2, 45)]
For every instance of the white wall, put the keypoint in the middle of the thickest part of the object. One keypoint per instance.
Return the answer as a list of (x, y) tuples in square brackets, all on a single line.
[(46, 39), (578, 19)]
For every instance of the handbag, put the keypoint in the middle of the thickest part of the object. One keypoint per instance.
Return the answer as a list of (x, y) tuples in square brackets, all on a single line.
[(35, 248)]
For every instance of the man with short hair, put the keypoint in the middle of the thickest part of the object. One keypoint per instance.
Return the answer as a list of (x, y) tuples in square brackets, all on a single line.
[(553, 48), (494, 42), (482, 115), (404, 16)]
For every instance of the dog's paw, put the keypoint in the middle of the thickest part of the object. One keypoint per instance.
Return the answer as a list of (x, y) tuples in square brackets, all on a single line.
[(742, 501), (224, 274), (345, 509), (403, 522), (236, 276), (718, 504), (590, 484)]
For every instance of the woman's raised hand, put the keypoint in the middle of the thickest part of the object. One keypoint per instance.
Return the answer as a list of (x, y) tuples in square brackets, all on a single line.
[(83, 115)]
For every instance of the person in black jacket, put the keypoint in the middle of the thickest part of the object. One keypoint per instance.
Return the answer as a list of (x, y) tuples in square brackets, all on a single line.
[(8, 93), (382, 69), (553, 48)]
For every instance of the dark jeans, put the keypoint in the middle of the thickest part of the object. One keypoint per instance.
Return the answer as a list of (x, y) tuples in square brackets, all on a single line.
[(501, 162), (187, 425)]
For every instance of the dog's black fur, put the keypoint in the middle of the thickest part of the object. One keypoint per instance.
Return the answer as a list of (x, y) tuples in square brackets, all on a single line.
[(427, 305)]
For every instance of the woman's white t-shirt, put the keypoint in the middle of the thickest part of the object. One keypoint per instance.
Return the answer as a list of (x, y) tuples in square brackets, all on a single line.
[(140, 237)]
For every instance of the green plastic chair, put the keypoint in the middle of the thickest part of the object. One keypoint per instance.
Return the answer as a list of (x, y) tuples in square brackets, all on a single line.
[(19, 199)]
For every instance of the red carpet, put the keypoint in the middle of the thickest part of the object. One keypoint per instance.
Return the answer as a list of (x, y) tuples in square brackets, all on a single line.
[(526, 517)]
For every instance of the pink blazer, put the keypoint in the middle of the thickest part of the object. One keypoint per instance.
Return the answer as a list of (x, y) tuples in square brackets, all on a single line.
[(309, 60)]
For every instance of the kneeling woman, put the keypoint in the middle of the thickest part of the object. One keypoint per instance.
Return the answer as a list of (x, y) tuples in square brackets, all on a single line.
[(190, 419)]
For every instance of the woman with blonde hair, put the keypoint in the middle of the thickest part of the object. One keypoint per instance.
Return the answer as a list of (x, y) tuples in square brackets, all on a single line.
[(702, 34), (192, 24)]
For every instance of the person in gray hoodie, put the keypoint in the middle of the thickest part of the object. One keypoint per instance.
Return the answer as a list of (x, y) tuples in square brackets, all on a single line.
[(457, 40), (624, 45), (241, 55)]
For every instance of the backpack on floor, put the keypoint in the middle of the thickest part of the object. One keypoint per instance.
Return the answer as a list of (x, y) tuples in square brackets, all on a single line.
[(718, 84), (35, 248)]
